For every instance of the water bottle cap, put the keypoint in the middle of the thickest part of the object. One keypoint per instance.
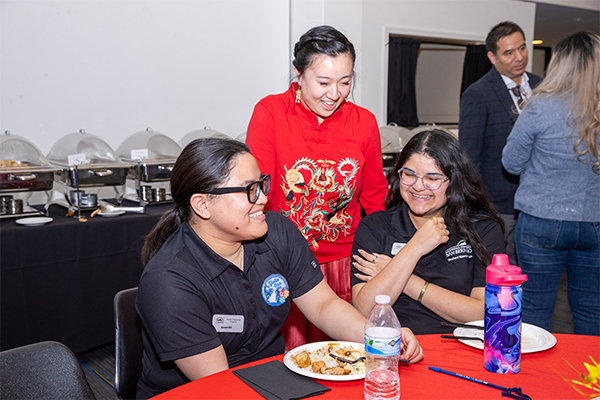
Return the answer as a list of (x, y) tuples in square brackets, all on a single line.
[(501, 273), (382, 299)]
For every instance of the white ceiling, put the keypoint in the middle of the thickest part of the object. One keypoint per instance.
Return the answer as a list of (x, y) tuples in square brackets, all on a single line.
[(553, 22)]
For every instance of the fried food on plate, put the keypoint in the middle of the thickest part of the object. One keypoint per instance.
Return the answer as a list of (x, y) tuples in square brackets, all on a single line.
[(319, 361)]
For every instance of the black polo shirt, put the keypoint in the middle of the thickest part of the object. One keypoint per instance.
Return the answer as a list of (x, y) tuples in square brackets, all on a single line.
[(451, 265), (191, 300)]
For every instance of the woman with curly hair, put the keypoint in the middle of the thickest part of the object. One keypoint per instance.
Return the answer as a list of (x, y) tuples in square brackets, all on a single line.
[(429, 249)]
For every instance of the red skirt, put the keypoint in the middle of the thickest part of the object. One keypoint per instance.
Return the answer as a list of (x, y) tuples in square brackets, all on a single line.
[(297, 330)]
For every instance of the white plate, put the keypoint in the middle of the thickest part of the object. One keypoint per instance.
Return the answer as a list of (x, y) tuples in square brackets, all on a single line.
[(533, 338), (111, 214), (314, 346), (33, 221)]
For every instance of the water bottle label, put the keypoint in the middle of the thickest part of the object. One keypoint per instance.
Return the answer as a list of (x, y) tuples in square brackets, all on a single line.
[(387, 344)]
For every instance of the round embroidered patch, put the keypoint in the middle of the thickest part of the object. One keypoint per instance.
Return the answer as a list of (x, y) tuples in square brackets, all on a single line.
[(275, 290)]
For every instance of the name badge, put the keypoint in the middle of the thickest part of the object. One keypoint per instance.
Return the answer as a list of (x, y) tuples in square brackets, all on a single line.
[(228, 323), (396, 247)]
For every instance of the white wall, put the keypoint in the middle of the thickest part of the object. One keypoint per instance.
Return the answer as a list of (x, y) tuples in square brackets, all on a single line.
[(114, 68), (438, 81), (461, 20), (538, 59), (345, 15)]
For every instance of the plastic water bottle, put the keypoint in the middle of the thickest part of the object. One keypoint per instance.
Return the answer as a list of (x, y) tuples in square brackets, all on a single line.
[(503, 300), (382, 347)]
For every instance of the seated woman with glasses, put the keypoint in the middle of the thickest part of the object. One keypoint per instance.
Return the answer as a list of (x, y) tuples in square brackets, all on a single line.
[(429, 249), (220, 274)]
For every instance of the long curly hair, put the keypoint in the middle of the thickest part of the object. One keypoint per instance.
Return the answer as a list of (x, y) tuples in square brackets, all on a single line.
[(466, 198)]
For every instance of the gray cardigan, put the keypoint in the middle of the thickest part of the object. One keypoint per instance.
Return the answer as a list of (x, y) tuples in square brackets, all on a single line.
[(554, 184)]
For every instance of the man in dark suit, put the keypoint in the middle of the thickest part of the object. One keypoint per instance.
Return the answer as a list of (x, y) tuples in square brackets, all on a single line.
[(488, 111)]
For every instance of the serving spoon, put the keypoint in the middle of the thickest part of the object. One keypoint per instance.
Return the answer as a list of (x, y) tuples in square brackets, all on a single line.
[(109, 208)]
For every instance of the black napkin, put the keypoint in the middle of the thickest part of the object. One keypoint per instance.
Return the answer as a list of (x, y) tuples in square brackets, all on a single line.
[(274, 381)]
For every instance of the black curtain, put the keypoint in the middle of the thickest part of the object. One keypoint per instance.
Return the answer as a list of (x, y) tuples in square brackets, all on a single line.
[(402, 70), (476, 65)]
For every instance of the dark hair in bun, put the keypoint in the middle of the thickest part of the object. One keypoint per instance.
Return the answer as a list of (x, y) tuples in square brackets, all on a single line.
[(322, 39)]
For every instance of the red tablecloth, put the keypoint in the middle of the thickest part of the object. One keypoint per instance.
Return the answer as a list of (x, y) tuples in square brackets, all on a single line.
[(544, 375)]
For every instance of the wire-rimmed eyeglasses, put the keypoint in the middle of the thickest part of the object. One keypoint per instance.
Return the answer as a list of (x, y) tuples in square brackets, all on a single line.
[(252, 190), (429, 181)]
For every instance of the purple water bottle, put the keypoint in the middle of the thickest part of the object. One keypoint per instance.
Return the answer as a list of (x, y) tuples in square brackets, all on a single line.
[(503, 301)]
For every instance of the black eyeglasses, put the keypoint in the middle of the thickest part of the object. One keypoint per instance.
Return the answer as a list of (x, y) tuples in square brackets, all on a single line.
[(429, 181), (252, 190)]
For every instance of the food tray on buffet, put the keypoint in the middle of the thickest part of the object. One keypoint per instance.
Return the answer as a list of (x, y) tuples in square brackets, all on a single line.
[(23, 168), (207, 132), (85, 161), (393, 138), (159, 155), (152, 156)]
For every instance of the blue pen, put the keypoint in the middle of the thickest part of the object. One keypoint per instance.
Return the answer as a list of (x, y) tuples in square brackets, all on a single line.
[(515, 392)]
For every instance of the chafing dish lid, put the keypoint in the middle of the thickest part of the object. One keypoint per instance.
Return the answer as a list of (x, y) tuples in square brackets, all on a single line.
[(393, 138), (207, 132), (430, 126), (159, 146), (97, 151), (18, 152)]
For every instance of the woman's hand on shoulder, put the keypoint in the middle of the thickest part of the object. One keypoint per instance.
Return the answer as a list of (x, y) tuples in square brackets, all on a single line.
[(430, 235), (411, 349), (369, 264)]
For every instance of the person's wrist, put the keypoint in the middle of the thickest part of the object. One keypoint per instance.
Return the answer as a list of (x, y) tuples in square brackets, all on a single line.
[(423, 289)]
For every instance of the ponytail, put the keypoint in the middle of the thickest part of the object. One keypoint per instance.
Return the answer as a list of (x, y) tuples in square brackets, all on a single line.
[(202, 166), (166, 226)]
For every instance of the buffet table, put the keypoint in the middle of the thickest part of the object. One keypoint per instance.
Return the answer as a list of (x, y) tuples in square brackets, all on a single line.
[(544, 375), (58, 280)]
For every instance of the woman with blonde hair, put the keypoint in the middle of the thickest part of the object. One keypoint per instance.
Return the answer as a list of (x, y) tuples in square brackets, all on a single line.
[(554, 148)]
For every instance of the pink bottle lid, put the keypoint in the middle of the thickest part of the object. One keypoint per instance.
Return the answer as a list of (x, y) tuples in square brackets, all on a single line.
[(501, 273)]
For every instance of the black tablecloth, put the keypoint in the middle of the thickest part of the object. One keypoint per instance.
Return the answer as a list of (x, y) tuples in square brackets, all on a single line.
[(58, 281)]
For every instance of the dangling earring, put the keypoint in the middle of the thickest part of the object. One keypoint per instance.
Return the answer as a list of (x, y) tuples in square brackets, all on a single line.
[(298, 95), (349, 97)]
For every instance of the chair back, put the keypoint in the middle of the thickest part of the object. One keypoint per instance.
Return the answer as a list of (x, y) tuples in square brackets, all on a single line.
[(128, 343), (44, 370)]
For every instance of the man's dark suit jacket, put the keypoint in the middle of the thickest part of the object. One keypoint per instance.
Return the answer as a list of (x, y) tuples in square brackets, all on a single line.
[(487, 115)]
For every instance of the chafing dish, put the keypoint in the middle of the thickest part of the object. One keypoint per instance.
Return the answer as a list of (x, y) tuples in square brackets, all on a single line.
[(207, 132), (85, 160), (157, 155), (152, 156), (393, 138), (23, 168), (450, 129)]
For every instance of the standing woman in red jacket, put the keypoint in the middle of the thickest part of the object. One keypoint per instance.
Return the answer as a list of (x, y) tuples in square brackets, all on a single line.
[(323, 153)]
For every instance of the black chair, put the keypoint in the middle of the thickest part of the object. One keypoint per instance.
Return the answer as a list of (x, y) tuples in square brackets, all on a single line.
[(44, 370), (128, 343)]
